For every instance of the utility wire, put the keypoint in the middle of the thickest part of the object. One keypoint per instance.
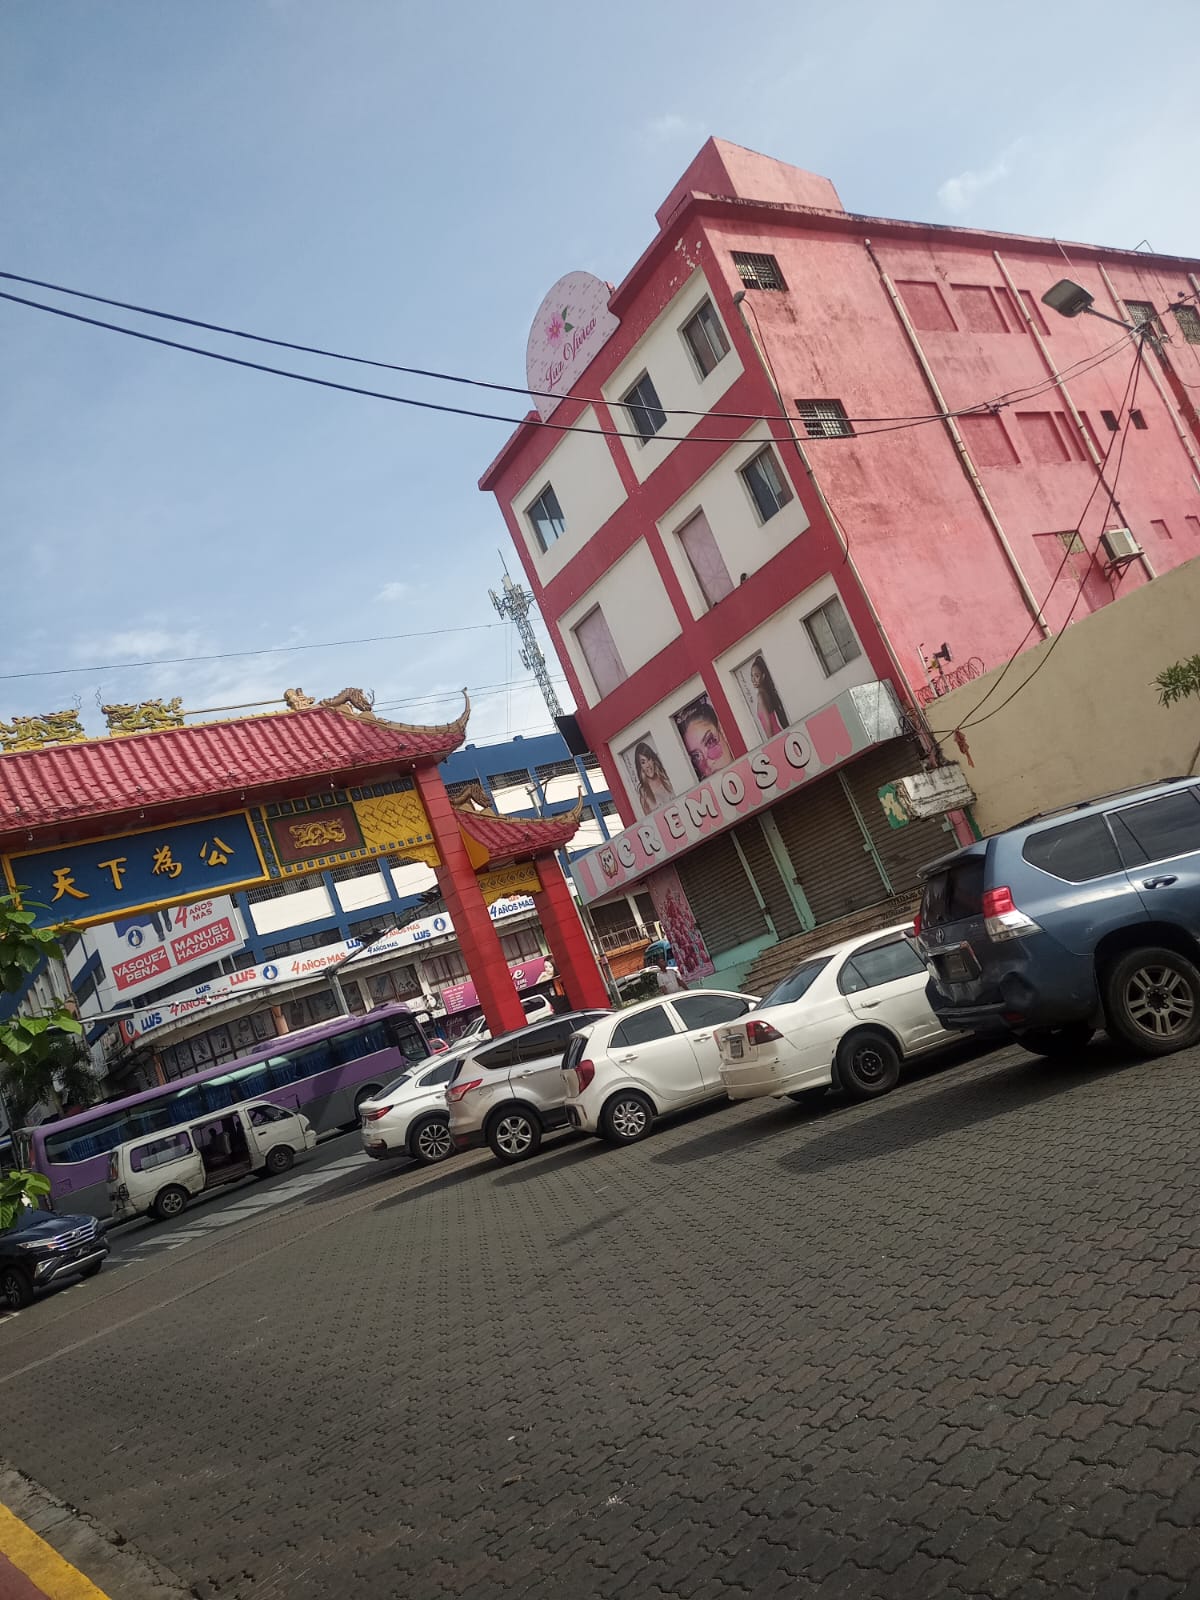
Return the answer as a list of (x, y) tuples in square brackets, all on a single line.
[(443, 377), (492, 416)]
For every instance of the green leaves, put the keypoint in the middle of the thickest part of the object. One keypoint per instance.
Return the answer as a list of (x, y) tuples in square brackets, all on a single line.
[(15, 1188), (1179, 682), (22, 945), (39, 1055)]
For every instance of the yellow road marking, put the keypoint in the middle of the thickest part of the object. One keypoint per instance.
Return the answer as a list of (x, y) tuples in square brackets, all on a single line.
[(41, 1564)]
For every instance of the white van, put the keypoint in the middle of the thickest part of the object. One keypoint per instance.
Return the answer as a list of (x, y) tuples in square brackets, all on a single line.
[(159, 1173)]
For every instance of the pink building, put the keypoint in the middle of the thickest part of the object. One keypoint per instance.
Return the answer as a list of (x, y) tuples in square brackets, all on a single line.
[(754, 586)]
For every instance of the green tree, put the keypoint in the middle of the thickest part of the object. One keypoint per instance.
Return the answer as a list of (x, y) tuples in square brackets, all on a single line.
[(41, 1057), (1180, 681)]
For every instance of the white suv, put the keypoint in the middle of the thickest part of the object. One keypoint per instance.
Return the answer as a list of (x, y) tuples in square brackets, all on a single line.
[(637, 1064), (508, 1092)]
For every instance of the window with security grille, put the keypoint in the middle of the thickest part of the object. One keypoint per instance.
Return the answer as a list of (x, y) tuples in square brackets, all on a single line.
[(546, 518), (758, 271), (824, 419), (832, 637), (766, 483), (1143, 315), (644, 408), (705, 338), (1187, 319)]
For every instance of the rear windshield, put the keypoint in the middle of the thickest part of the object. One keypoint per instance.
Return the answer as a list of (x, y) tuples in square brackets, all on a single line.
[(954, 892), (796, 985)]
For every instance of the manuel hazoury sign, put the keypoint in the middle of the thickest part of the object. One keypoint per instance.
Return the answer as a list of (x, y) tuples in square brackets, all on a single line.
[(572, 324), (858, 718)]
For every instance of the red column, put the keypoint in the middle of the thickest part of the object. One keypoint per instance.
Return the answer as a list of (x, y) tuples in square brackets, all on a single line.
[(477, 937), (568, 943)]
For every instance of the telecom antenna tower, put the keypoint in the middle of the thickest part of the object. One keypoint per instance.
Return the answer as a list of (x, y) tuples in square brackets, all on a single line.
[(516, 603)]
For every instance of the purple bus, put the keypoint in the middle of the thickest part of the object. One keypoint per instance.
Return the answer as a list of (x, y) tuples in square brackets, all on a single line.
[(326, 1072)]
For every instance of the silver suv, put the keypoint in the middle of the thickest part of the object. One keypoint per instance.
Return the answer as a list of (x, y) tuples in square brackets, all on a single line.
[(508, 1092)]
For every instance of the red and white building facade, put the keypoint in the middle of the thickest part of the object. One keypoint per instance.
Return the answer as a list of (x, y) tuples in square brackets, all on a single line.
[(754, 587)]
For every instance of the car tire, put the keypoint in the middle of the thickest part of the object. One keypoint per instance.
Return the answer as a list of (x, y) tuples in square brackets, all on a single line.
[(868, 1064), (367, 1092), (90, 1272), (429, 1141), (514, 1134), (626, 1118), (169, 1202), (278, 1160), (1152, 1000), (16, 1289), (809, 1097), (1057, 1044)]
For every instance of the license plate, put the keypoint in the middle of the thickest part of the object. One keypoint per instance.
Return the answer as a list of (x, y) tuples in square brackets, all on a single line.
[(737, 1047), (959, 966)]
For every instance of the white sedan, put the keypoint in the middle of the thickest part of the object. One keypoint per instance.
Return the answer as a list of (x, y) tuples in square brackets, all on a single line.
[(631, 1066), (409, 1117), (846, 1016)]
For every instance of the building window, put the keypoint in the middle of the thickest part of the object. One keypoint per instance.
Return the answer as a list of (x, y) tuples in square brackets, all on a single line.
[(1109, 419), (758, 271), (600, 651), (546, 519), (1142, 314), (828, 627), (705, 559), (705, 338), (644, 408), (1188, 319), (766, 483), (824, 419), (449, 968), (520, 946), (1137, 419)]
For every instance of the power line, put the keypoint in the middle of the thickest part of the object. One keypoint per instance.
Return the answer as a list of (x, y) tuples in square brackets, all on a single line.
[(231, 655), (515, 422), (426, 372)]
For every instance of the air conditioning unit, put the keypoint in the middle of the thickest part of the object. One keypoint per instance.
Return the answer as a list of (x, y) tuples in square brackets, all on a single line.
[(1120, 546)]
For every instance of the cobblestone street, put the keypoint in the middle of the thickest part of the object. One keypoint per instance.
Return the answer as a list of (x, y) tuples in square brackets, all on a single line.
[(942, 1344)]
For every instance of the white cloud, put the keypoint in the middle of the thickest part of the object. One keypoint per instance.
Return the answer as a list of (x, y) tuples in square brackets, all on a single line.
[(959, 194), (394, 591), (671, 127)]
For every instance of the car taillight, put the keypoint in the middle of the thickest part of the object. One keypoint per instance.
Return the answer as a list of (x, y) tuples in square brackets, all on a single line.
[(761, 1032), (375, 1113), (456, 1091), (584, 1073), (1001, 918), (916, 933)]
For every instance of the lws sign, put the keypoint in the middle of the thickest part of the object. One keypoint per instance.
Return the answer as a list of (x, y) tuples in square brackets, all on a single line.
[(572, 325)]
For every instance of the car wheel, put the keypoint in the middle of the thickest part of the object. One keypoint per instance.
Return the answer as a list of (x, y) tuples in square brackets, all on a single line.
[(367, 1092), (626, 1118), (809, 1097), (514, 1135), (90, 1272), (16, 1289), (1152, 1001), (279, 1160), (430, 1141), (169, 1202), (867, 1064), (1057, 1044)]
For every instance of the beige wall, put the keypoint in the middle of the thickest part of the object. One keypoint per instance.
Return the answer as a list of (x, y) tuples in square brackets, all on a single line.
[(1089, 722)]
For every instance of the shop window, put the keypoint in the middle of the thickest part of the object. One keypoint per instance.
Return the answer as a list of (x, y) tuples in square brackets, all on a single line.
[(758, 271), (546, 519), (705, 338), (644, 408), (831, 636), (824, 419), (765, 481)]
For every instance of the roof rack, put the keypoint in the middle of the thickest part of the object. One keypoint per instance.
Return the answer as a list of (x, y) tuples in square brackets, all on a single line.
[(1095, 800)]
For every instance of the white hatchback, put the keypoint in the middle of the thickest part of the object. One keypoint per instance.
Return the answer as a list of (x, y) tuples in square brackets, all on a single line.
[(847, 1016), (631, 1066), (409, 1117)]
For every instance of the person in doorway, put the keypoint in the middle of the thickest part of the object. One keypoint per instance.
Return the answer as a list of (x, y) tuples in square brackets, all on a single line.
[(669, 981)]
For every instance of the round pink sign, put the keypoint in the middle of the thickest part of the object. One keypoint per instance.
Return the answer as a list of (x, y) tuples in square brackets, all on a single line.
[(573, 322)]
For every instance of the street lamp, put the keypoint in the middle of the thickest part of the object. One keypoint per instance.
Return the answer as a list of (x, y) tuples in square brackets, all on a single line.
[(1073, 300)]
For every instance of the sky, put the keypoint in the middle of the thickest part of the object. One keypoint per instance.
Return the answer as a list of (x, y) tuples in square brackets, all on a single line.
[(405, 182)]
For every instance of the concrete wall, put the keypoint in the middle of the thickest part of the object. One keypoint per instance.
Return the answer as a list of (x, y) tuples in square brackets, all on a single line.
[(1089, 722)]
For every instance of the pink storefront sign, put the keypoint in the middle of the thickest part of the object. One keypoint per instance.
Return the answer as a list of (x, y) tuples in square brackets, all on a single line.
[(859, 718), (572, 324), (462, 996)]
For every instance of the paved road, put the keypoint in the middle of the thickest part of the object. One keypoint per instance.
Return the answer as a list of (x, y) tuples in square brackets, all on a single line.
[(942, 1345)]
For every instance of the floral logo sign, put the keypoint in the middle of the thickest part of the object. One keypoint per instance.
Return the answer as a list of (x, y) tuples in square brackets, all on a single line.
[(572, 324), (558, 325)]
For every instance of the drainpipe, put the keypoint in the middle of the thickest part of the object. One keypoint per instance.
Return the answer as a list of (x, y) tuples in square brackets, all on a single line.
[(952, 428), (1048, 362), (1155, 376)]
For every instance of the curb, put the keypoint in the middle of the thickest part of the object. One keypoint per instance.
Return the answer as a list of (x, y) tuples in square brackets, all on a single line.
[(118, 1569)]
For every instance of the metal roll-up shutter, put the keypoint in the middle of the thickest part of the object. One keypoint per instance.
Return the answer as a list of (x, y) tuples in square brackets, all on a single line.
[(721, 895), (904, 851), (767, 875), (826, 845)]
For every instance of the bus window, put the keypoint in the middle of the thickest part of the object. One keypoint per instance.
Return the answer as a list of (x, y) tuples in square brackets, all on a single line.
[(358, 1042), (405, 1036)]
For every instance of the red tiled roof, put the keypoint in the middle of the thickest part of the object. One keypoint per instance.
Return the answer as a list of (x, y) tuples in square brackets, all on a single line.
[(180, 766), (505, 837)]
